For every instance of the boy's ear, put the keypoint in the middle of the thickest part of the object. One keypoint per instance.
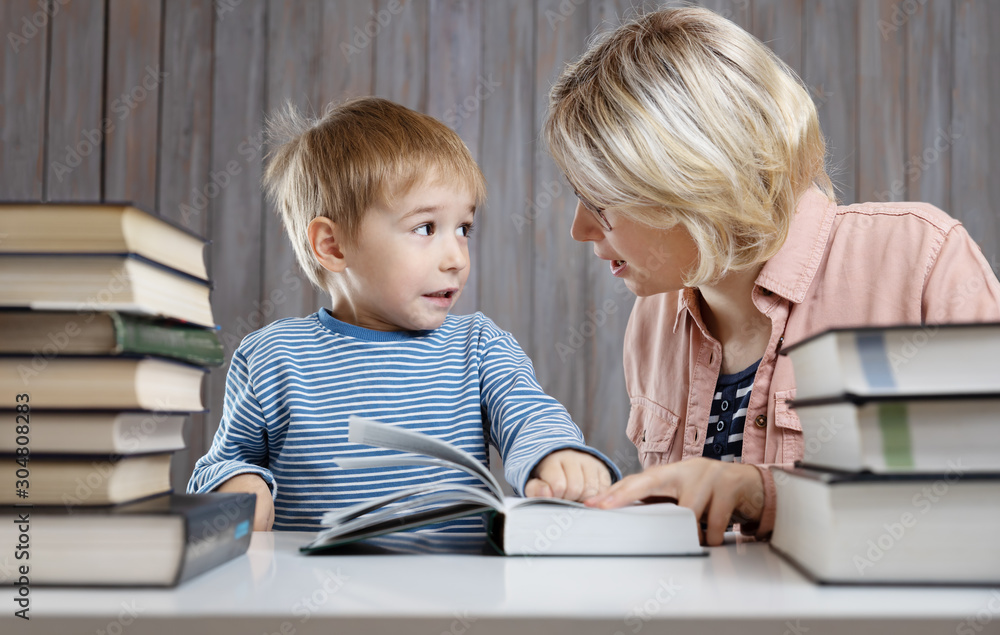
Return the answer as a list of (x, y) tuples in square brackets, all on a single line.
[(327, 242)]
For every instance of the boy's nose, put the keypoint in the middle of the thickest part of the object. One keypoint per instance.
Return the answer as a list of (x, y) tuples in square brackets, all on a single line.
[(585, 227), (456, 256)]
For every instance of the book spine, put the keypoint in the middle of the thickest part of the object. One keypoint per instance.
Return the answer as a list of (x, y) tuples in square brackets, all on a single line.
[(146, 337), (216, 534)]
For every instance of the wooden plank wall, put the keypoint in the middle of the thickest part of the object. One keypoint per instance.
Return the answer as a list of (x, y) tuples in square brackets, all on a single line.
[(163, 103)]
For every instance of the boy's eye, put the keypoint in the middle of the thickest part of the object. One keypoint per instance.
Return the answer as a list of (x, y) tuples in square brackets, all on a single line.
[(465, 230), (427, 229)]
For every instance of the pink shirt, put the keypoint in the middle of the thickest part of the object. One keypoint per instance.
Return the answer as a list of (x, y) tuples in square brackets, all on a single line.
[(867, 264)]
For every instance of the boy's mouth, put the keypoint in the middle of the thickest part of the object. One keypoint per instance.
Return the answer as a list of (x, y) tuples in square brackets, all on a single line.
[(442, 298), (618, 266), (444, 293)]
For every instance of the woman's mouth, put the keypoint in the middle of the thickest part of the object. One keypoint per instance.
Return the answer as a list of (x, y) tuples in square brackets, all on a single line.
[(617, 267)]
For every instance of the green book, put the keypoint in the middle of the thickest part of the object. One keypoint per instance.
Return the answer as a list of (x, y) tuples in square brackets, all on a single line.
[(50, 333)]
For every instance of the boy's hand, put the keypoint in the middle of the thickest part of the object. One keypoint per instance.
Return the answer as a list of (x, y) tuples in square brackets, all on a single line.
[(569, 474), (263, 515)]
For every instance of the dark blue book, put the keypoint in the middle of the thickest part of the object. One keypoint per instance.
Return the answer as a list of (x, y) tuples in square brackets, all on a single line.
[(160, 541)]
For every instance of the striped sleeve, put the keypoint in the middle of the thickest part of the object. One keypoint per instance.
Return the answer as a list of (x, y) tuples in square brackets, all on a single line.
[(526, 424), (240, 444)]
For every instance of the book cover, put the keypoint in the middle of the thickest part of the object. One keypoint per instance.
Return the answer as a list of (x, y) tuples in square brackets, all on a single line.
[(161, 541)]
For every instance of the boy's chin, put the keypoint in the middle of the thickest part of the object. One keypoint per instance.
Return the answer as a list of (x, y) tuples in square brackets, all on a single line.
[(428, 323)]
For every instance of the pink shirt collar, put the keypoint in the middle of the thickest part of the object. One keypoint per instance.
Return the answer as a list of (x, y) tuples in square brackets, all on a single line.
[(790, 272)]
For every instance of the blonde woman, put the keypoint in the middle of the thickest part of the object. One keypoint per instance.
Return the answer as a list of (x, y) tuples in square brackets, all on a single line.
[(698, 160)]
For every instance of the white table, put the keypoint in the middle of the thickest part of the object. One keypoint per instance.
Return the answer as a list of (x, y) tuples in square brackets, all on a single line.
[(740, 588)]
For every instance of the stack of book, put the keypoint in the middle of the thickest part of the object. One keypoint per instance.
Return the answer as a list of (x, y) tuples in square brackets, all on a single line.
[(106, 331), (900, 480)]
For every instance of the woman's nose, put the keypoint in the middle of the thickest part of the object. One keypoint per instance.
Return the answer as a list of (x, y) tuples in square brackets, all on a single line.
[(585, 227)]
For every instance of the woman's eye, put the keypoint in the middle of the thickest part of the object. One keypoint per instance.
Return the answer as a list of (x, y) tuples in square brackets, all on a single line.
[(426, 229), (465, 230)]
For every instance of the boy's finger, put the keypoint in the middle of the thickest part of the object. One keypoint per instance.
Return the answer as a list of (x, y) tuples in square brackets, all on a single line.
[(605, 475), (554, 476), (537, 487), (576, 480), (593, 484)]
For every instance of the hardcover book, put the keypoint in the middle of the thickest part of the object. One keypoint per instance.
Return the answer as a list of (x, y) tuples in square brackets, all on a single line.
[(106, 333), (95, 431), (100, 228), (104, 383), (895, 435), (898, 361), (128, 283), (515, 526), (77, 481), (857, 528), (160, 541)]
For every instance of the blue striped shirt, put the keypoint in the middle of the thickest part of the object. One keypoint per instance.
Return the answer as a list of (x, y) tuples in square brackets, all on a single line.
[(292, 385)]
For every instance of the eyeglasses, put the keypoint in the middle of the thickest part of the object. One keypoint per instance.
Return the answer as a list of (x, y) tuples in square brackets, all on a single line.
[(597, 211)]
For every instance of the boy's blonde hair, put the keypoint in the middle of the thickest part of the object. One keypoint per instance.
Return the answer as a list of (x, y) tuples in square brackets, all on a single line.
[(362, 152), (684, 113)]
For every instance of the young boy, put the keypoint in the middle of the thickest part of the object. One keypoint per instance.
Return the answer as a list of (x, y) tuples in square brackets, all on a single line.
[(379, 201)]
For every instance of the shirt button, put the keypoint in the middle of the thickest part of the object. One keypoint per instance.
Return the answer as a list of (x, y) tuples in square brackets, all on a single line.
[(717, 448), (720, 426), (725, 405), (760, 421)]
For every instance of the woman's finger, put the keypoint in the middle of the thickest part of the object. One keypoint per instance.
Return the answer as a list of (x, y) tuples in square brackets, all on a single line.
[(656, 481), (720, 510)]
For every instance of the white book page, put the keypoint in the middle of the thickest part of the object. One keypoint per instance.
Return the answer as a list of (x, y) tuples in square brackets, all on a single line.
[(370, 432)]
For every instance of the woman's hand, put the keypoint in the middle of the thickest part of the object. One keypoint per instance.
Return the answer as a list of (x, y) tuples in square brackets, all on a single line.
[(263, 516), (712, 489)]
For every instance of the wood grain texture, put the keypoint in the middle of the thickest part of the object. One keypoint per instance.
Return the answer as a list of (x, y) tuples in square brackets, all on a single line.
[(830, 70), (929, 60), (399, 33), (236, 214), (992, 251), (133, 80), (348, 61), (778, 24), (560, 291), (506, 255), (185, 187), (738, 11), (24, 60), (456, 90), (881, 109), (972, 112), (75, 138), (294, 45)]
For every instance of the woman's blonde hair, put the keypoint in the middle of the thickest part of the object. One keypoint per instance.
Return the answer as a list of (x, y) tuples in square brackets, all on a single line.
[(362, 152), (681, 116)]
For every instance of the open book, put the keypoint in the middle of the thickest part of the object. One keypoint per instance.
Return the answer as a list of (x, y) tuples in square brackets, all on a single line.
[(515, 526)]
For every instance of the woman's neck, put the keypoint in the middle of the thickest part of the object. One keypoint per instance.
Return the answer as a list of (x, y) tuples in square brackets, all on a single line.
[(731, 317)]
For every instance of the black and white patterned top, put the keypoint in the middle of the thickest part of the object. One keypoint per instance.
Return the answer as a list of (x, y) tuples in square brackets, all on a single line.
[(724, 439)]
